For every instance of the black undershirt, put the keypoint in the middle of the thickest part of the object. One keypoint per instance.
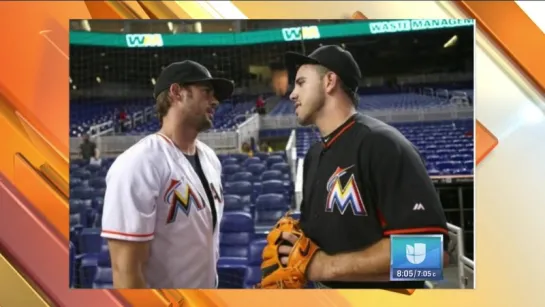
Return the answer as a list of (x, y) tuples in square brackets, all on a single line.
[(195, 163)]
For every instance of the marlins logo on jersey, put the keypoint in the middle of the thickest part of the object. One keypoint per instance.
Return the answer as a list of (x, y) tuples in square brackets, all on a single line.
[(181, 197), (344, 195)]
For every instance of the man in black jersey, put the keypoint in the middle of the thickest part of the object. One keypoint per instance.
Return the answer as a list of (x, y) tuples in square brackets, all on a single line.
[(361, 183)]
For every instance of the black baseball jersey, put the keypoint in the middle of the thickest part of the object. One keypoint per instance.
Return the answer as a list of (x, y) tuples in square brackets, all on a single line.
[(365, 182)]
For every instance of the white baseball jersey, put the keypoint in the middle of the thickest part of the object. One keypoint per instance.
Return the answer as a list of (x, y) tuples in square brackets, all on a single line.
[(154, 194)]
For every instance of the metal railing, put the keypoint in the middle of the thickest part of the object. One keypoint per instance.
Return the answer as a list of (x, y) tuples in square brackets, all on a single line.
[(291, 153), (247, 130), (447, 112), (220, 141), (464, 263)]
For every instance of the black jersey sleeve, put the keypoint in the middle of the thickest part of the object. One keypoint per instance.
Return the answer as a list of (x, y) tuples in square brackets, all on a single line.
[(405, 197)]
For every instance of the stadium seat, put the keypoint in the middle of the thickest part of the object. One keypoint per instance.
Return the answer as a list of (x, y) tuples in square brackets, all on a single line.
[(444, 145), (272, 186), (242, 176), (103, 278), (97, 183), (233, 203), (81, 174), (252, 275), (243, 189), (237, 231), (256, 169), (89, 263), (295, 214), (90, 241), (271, 175), (231, 169), (270, 208), (81, 193), (271, 160), (276, 187), (72, 264), (282, 167), (251, 160), (75, 182), (229, 161)]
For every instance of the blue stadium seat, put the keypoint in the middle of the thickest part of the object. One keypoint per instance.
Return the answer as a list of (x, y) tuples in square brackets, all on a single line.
[(273, 187), (239, 157), (252, 275), (90, 240), (98, 203), (80, 212), (75, 219), (261, 155), (256, 169), (274, 159), (97, 183), (270, 208), (81, 193), (243, 189), (242, 176), (233, 203), (281, 166), (276, 187), (229, 161), (251, 160), (89, 264), (231, 169), (93, 168), (271, 175), (81, 174), (72, 264), (75, 182), (103, 278), (444, 145), (295, 214), (237, 231)]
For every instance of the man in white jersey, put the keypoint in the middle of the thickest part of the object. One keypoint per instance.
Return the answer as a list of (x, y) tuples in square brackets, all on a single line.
[(164, 198)]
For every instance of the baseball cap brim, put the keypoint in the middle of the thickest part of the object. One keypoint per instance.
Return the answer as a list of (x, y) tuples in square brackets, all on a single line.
[(223, 88), (295, 60)]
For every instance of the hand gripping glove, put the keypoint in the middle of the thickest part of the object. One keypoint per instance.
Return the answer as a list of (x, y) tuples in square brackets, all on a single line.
[(275, 275)]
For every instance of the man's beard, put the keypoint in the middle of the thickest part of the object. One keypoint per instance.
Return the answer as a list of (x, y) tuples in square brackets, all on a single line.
[(204, 124), (311, 116)]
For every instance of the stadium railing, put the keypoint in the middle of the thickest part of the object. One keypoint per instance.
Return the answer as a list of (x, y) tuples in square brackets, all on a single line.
[(97, 130), (233, 139), (135, 118), (428, 114), (221, 141), (291, 153), (436, 78), (464, 264), (245, 131)]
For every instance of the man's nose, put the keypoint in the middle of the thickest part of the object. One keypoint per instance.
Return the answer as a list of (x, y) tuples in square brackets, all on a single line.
[(214, 101), (293, 96)]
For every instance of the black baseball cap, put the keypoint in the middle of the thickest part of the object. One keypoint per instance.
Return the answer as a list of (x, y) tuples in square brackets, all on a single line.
[(332, 57), (188, 72)]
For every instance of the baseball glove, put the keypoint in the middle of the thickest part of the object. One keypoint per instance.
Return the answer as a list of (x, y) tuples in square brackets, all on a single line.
[(276, 275)]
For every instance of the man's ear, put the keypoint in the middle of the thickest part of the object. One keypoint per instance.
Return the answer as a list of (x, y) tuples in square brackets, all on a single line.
[(175, 91), (330, 81)]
